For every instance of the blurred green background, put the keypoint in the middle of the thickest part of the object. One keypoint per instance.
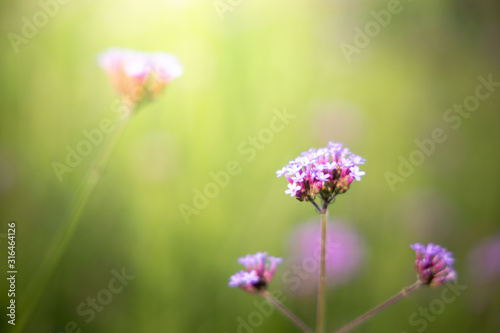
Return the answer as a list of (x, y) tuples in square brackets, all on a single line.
[(241, 63)]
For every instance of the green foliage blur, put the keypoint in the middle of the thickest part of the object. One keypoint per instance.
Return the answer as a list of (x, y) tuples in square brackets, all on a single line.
[(244, 61)]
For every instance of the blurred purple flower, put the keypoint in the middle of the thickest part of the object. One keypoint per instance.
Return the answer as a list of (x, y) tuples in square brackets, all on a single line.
[(433, 264), (259, 272), (344, 256), (325, 171), (484, 260)]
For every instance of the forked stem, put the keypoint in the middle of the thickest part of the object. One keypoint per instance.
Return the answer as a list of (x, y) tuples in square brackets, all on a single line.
[(390, 301)]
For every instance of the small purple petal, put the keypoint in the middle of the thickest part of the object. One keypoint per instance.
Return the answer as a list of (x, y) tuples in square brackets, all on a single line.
[(356, 173), (292, 189), (243, 278), (322, 177)]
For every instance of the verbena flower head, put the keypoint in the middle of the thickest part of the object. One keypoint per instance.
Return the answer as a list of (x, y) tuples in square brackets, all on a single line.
[(138, 75), (325, 171), (433, 264), (259, 271)]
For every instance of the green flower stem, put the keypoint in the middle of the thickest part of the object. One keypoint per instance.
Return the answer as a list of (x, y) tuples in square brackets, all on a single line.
[(286, 312), (320, 319), (390, 301), (42, 277)]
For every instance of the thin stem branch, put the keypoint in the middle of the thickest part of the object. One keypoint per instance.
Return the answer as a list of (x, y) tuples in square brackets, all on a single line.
[(390, 301), (68, 227), (316, 206), (320, 319), (331, 200), (287, 312)]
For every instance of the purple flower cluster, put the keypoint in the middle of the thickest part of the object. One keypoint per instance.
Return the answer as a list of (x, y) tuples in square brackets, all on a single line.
[(325, 171), (433, 264), (259, 272)]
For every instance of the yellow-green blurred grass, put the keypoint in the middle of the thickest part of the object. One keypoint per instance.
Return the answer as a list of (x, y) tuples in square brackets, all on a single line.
[(260, 57)]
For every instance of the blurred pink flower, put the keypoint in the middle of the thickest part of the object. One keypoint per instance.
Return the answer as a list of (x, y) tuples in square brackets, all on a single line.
[(484, 275), (484, 260), (344, 256), (138, 75)]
